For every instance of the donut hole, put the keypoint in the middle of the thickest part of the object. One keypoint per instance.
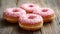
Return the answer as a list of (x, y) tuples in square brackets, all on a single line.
[(31, 17), (30, 5), (30, 12), (15, 10), (44, 10)]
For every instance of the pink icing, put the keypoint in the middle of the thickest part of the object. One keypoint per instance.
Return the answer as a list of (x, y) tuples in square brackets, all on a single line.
[(32, 20), (29, 7), (14, 12), (44, 11)]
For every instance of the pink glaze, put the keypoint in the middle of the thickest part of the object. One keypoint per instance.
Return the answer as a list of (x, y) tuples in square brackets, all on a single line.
[(14, 12), (44, 12), (29, 7), (31, 19)]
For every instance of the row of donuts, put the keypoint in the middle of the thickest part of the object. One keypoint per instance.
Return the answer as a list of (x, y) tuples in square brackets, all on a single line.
[(29, 16)]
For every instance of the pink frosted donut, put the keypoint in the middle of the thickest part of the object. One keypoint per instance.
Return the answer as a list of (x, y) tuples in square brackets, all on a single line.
[(29, 7), (31, 22), (12, 14), (46, 13)]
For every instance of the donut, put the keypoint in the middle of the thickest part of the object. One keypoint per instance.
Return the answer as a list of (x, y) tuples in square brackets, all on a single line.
[(31, 22), (29, 7), (12, 14), (47, 14)]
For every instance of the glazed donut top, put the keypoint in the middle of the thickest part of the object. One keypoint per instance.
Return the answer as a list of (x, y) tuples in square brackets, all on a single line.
[(29, 6), (14, 12), (44, 11), (31, 19)]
